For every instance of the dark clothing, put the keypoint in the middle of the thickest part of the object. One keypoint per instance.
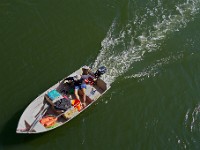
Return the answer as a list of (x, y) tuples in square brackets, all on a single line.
[(76, 82)]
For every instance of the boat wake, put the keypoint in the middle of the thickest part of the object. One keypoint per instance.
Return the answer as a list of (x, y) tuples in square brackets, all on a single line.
[(127, 44), (153, 69), (192, 119)]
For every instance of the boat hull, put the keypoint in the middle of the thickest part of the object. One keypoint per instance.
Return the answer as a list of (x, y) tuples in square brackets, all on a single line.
[(43, 105)]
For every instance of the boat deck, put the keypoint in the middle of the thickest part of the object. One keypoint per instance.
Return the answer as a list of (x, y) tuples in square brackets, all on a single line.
[(43, 105)]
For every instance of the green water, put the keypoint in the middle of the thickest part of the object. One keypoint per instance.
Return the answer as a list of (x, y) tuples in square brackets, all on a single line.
[(151, 50)]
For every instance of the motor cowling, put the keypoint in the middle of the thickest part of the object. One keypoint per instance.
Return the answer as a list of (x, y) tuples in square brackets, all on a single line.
[(100, 71)]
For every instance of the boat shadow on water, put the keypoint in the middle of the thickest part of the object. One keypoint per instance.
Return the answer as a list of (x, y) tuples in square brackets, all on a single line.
[(9, 136)]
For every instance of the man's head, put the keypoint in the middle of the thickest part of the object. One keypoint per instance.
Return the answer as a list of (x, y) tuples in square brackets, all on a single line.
[(85, 67)]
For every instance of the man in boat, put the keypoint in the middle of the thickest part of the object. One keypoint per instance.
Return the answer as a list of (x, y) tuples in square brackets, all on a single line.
[(80, 82)]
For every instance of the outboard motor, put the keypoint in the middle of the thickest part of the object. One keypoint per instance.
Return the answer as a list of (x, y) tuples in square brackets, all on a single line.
[(100, 71)]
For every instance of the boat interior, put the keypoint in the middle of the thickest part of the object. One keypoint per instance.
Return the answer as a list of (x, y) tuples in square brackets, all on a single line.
[(44, 105), (66, 90)]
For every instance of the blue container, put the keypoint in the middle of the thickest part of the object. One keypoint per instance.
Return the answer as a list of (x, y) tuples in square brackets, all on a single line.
[(53, 94)]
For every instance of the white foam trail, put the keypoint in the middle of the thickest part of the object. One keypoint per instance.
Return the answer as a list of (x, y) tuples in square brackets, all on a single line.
[(153, 69), (192, 119), (195, 119), (187, 115), (121, 49)]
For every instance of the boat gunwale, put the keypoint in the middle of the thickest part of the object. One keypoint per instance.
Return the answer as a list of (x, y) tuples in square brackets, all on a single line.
[(41, 96)]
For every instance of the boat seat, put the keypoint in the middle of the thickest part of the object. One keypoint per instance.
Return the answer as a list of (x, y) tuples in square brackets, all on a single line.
[(102, 85), (48, 100), (67, 115)]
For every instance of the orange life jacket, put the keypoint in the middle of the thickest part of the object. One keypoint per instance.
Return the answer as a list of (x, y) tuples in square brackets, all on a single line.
[(48, 121)]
